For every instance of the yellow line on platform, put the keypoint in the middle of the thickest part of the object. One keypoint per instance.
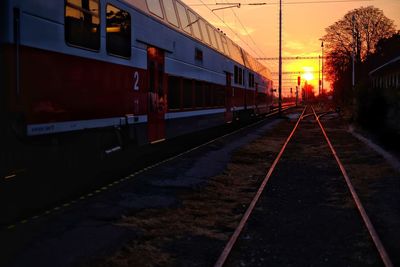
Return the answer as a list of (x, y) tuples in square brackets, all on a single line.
[(8, 177)]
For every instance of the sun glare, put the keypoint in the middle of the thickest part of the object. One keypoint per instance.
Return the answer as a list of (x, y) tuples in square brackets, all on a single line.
[(308, 76)]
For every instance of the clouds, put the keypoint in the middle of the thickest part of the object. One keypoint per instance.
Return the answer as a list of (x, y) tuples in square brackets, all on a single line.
[(295, 46)]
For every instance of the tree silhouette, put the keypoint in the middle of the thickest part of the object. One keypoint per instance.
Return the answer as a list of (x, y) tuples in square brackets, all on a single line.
[(385, 50), (358, 31)]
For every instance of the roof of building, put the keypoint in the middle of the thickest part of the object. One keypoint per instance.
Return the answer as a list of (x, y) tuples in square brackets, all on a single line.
[(386, 65)]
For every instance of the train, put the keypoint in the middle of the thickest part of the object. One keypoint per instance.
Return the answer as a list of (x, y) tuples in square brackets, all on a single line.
[(139, 71)]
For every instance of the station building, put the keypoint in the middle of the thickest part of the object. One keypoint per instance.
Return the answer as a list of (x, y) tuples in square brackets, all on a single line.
[(386, 75), (385, 82)]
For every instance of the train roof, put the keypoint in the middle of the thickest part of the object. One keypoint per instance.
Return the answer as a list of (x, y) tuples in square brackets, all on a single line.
[(170, 13)]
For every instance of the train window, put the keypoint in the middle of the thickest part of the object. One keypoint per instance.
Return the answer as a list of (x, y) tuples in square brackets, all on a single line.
[(230, 47), (225, 45), (174, 92), (261, 98), (118, 31), (170, 12), (187, 93), (222, 45), (183, 18), (194, 22), (204, 30), (251, 80), (236, 75), (207, 95), (219, 96), (199, 94), (212, 36), (235, 52), (82, 23), (240, 81), (154, 7), (218, 37), (198, 55), (254, 64)]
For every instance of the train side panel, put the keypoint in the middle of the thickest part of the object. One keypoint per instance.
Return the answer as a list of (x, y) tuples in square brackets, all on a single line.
[(64, 88)]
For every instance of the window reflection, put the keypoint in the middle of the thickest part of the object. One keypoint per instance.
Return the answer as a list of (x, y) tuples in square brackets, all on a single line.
[(212, 36), (155, 7), (204, 30), (194, 22), (170, 12), (174, 93), (225, 45), (118, 31), (183, 17), (82, 23), (218, 37), (187, 93)]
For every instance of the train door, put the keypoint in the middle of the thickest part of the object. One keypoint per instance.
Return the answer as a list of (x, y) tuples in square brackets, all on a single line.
[(156, 94), (228, 102)]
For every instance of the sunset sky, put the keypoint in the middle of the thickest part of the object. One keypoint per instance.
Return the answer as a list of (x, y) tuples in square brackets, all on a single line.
[(303, 26)]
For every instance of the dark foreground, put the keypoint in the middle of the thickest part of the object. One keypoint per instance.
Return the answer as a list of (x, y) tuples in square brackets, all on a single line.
[(182, 212)]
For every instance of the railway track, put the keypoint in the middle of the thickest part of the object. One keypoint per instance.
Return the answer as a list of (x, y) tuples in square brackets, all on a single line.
[(238, 245), (181, 212)]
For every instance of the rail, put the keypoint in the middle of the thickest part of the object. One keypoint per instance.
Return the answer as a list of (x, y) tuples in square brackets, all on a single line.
[(377, 242)]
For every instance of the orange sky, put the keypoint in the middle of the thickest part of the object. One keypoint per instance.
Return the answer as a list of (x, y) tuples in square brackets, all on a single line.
[(303, 25)]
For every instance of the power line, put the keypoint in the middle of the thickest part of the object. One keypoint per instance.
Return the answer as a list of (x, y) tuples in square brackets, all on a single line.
[(321, 2), (290, 58), (294, 72), (240, 4), (244, 28), (229, 27), (287, 3)]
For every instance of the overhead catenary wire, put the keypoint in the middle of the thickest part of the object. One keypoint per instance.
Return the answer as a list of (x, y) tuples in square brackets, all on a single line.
[(288, 3), (263, 3), (223, 21), (238, 4), (321, 2), (244, 28), (293, 58), (294, 72)]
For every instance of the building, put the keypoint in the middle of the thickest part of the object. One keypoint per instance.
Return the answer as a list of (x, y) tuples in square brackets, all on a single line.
[(385, 83), (386, 75)]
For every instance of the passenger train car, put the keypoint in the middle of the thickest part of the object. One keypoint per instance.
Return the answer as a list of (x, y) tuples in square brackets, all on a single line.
[(146, 69)]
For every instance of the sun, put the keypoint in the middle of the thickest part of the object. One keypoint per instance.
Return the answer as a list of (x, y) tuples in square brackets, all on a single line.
[(308, 76)]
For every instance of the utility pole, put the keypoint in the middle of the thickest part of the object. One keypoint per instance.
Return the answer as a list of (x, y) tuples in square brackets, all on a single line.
[(280, 58), (319, 75), (354, 52), (322, 67)]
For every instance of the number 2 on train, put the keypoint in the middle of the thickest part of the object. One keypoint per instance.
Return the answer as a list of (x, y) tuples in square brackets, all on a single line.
[(136, 81)]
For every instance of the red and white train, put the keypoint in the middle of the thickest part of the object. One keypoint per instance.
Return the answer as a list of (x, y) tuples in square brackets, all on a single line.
[(153, 69)]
